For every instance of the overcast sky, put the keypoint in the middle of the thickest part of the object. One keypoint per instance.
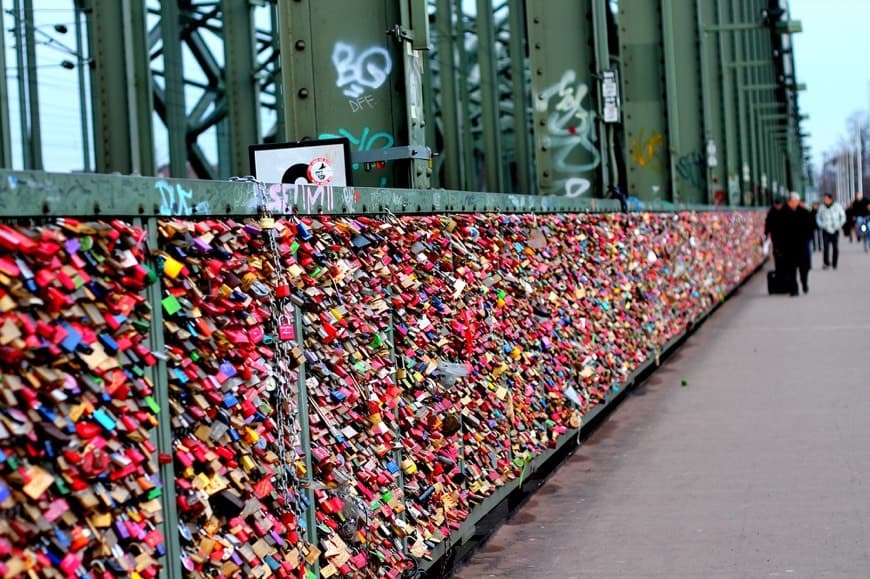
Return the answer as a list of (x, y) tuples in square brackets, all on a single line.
[(831, 57)]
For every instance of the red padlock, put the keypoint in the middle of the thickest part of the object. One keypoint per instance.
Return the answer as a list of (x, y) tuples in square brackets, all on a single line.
[(282, 291)]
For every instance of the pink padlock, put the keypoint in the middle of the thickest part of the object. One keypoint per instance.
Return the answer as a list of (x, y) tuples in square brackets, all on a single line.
[(256, 334), (286, 331)]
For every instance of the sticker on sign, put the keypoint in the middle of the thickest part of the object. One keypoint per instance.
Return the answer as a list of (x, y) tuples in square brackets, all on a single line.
[(320, 171)]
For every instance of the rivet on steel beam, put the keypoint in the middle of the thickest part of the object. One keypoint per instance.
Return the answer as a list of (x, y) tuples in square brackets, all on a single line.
[(300, 45), (303, 93)]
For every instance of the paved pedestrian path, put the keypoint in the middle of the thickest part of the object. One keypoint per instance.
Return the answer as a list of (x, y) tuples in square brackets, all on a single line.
[(758, 467)]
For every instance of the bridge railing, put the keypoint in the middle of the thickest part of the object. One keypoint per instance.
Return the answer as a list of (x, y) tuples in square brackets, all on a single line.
[(224, 377)]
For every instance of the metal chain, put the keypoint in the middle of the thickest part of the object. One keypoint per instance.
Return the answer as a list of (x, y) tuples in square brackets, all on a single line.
[(289, 487)]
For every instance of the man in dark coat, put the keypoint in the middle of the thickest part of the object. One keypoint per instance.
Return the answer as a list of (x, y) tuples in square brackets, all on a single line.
[(773, 230), (796, 231)]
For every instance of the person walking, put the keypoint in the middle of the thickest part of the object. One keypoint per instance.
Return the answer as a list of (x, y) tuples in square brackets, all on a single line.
[(817, 231), (773, 231), (830, 219), (796, 230), (858, 209)]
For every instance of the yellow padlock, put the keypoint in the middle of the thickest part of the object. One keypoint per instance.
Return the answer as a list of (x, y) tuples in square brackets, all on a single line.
[(409, 466), (172, 267), (267, 223)]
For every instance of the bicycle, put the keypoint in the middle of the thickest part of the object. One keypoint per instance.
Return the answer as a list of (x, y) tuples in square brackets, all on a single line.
[(862, 231)]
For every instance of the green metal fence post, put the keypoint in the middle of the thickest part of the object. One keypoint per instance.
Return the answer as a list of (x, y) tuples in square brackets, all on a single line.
[(159, 376), (305, 440)]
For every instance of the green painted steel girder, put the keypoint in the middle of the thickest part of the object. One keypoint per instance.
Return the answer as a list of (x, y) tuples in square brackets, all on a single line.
[(521, 97), (242, 88), (451, 155), (173, 95), (562, 57), (730, 118), (748, 63), (358, 77), (713, 91), (120, 87), (489, 97), (645, 110), (604, 62), (735, 27), (686, 100), (562, 46)]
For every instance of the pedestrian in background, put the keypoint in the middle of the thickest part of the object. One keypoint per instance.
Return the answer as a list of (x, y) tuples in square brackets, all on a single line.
[(797, 229), (858, 209), (773, 231), (817, 231), (830, 219)]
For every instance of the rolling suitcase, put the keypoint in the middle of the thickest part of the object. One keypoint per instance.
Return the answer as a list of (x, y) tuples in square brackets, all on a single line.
[(776, 285)]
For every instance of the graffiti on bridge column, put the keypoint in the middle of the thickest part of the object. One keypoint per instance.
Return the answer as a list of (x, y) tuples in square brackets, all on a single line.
[(690, 168), (366, 140), (359, 71), (646, 152), (570, 133)]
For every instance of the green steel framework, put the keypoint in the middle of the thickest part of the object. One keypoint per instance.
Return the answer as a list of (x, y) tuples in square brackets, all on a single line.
[(694, 76)]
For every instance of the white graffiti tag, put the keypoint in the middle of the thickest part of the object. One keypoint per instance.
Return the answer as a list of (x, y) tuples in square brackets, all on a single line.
[(576, 186), (178, 200), (569, 126), (358, 71)]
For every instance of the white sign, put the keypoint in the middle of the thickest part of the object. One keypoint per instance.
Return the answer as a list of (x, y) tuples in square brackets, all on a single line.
[(712, 161), (610, 88), (746, 174), (610, 92), (321, 162)]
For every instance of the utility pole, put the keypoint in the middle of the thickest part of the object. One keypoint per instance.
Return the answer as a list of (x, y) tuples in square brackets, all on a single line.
[(22, 85), (81, 62), (860, 164)]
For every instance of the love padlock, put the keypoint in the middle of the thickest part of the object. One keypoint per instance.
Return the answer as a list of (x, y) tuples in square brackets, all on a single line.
[(286, 331), (282, 291)]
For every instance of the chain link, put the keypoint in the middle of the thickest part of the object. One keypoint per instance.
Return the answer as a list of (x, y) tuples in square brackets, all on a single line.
[(289, 487)]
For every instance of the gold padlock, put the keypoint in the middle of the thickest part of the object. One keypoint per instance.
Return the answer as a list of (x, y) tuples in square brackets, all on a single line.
[(267, 223)]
